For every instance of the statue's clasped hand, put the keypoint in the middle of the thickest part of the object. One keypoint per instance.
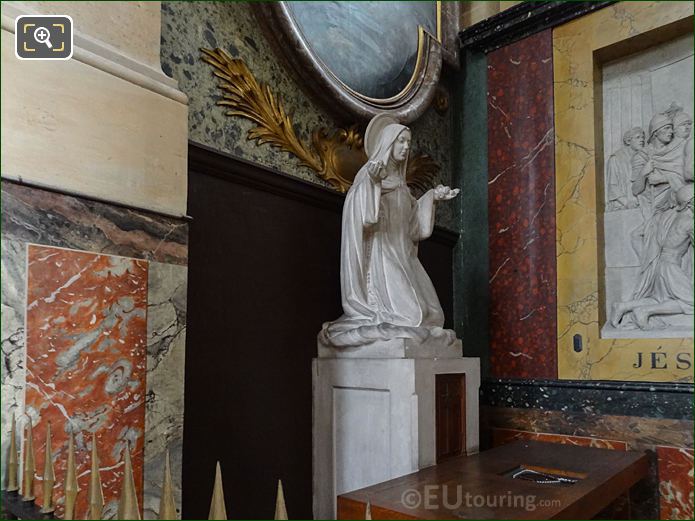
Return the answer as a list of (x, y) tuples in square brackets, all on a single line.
[(444, 193), (376, 170)]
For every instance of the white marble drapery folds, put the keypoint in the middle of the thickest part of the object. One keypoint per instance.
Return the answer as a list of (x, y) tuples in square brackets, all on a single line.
[(386, 292)]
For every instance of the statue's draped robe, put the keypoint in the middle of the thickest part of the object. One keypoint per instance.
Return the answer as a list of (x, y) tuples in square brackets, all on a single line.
[(386, 292)]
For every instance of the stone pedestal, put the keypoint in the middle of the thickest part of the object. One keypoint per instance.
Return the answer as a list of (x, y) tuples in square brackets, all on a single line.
[(374, 413)]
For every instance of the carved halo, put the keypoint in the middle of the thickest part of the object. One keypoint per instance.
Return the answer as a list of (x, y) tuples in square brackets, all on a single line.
[(374, 129)]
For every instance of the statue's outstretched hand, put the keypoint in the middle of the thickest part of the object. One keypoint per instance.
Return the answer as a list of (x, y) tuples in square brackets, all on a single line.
[(444, 193), (376, 170)]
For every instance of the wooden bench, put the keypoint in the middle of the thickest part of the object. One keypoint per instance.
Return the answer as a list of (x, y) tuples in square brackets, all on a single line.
[(482, 487)]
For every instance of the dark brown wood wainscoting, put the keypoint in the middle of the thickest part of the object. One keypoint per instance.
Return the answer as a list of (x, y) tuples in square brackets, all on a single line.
[(263, 275)]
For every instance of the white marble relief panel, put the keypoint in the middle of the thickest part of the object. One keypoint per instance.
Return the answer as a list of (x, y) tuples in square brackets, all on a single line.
[(648, 190)]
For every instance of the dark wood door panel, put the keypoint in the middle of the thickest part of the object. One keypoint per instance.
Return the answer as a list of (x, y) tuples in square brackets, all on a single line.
[(450, 402)]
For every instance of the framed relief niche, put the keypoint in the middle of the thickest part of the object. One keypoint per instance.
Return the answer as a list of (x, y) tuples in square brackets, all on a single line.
[(623, 118), (364, 58), (647, 107)]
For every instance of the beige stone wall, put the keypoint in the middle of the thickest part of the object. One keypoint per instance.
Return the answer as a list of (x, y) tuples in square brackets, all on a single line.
[(133, 28), (107, 123), (474, 12), (507, 5)]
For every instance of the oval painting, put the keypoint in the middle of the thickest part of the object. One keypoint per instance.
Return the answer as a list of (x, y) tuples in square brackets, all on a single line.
[(370, 47)]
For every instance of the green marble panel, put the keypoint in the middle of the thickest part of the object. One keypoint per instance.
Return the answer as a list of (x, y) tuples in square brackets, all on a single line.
[(471, 261)]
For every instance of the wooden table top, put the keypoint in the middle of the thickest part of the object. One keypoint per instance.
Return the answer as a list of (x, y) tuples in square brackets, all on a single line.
[(481, 487)]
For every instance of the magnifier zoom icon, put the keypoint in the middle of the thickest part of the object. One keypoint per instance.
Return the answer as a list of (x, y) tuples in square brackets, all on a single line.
[(43, 35)]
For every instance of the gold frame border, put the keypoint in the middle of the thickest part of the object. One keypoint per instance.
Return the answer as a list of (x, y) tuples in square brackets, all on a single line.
[(420, 64)]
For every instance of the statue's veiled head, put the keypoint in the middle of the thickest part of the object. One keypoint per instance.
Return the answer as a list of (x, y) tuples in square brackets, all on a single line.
[(393, 144), (401, 146)]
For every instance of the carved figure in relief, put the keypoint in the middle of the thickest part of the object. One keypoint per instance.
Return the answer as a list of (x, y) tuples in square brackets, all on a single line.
[(665, 285), (658, 174), (619, 172), (386, 292), (659, 166), (682, 128)]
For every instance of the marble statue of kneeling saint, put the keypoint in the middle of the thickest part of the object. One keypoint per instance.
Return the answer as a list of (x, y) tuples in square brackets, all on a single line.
[(386, 292)]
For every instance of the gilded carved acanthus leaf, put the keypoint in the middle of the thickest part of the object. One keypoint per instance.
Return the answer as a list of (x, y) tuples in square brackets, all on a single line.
[(422, 173), (249, 99), (342, 153), (336, 156)]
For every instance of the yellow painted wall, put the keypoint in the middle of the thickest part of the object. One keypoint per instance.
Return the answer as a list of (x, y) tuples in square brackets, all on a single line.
[(579, 47)]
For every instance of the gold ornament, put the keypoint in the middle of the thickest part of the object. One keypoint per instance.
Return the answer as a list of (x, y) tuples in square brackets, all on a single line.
[(421, 173), (336, 156), (95, 492), (218, 510), (249, 99), (167, 505), (128, 502), (280, 508), (71, 486), (49, 477), (13, 460), (29, 464)]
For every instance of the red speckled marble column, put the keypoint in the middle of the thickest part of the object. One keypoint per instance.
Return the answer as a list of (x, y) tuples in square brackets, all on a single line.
[(521, 205)]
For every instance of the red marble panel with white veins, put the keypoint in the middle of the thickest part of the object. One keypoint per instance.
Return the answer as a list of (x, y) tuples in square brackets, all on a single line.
[(675, 482), (521, 209), (86, 361)]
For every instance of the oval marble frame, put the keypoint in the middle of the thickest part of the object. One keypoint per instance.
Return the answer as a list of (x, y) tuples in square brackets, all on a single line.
[(406, 107)]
